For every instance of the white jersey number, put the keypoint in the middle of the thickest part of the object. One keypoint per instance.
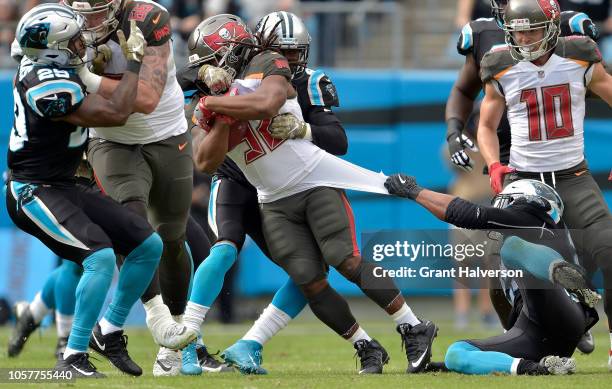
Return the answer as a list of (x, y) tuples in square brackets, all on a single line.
[(556, 109)]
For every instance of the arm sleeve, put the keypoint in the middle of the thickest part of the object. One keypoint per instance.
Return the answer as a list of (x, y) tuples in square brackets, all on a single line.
[(187, 78), (465, 214), (327, 131)]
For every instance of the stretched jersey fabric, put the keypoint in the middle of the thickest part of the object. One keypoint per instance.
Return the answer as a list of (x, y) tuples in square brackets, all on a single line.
[(42, 148), (480, 36), (167, 120), (546, 104)]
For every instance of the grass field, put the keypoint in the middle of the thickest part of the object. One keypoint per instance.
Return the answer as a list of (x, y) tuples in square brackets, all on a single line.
[(308, 355)]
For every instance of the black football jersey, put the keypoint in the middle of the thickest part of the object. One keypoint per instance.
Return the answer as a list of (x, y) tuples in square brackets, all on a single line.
[(43, 149), (479, 36)]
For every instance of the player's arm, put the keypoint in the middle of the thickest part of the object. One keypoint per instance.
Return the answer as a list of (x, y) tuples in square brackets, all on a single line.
[(461, 99), (601, 83), (210, 149), (263, 103), (491, 112), (327, 131)]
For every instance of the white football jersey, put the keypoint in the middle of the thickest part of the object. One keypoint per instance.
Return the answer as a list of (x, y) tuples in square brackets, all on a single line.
[(546, 108), (166, 121), (274, 167)]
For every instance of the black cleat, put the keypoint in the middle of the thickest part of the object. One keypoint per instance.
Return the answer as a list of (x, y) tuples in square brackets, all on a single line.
[(24, 326), (209, 363), (417, 341), (60, 347), (371, 355), (113, 347), (586, 345), (80, 366), (436, 367)]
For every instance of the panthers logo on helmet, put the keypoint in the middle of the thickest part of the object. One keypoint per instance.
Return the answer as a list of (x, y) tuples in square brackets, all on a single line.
[(550, 8), (35, 36)]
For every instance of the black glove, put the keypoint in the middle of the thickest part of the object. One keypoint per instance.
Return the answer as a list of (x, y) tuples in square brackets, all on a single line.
[(402, 185), (457, 143)]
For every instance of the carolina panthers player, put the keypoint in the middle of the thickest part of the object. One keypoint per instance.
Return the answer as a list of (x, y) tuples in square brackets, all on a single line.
[(234, 199), (307, 220), (476, 39), (52, 113), (542, 80), (146, 165), (552, 304)]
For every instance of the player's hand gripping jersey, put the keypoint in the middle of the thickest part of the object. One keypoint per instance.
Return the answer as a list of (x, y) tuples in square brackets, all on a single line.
[(41, 149), (167, 119), (545, 105)]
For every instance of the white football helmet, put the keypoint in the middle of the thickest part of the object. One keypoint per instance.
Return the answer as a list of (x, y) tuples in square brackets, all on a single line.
[(52, 34), (102, 16), (531, 188)]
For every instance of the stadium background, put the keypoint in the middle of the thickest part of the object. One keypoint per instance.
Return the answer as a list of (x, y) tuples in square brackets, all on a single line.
[(380, 56)]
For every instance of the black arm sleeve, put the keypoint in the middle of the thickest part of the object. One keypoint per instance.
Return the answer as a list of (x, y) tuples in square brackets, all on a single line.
[(465, 214), (187, 78), (327, 131)]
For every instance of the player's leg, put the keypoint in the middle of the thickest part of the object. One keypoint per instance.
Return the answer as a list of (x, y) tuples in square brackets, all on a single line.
[(331, 221), (293, 247), (122, 172), (64, 293), (141, 247), (54, 216), (287, 303)]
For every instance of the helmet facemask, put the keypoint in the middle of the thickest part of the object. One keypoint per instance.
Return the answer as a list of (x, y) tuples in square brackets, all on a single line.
[(498, 8), (101, 16), (526, 189)]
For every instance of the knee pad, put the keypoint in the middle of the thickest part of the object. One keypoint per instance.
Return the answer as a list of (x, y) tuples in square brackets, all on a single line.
[(100, 262)]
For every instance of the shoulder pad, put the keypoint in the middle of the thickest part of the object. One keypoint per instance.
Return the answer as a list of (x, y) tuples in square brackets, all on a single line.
[(467, 36), (579, 48), (152, 19), (495, 62), (54, 97), (578, 23), (321, 90), (267, 63)]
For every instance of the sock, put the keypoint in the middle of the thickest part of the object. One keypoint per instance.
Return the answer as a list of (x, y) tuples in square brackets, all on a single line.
[(535, 259), (405, 315), (65, 287), (175, 275), (194, 316), (69, 351), (134, 277), (38, 308), (107, 328), (333, 310), (269, 323), (63, 324), (360, 334), (90, 295), (48, 290), (289, 299), (610, 340), (156, 311), (208, 279), (463, 357)]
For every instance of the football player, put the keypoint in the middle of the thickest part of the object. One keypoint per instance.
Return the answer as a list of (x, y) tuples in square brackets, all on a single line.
[(235, 211), (53, 109), (146, 165), (307, 220), (552, 304), (542, 80)]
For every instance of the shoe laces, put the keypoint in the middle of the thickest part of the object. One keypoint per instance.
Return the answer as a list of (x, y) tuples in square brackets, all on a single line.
[(367, 354), (207, 357), (410, 340), (84, 362)]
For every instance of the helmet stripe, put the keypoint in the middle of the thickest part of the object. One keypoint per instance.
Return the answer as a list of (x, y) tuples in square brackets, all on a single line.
[(290, 19), (282, 23)]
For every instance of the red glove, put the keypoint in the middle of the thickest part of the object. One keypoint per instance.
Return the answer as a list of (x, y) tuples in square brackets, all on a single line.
[(610, 176), (497, 171)]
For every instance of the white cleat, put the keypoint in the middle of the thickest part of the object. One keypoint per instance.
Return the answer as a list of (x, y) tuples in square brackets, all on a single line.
[(167, 363), (172, 335), (559, 365)]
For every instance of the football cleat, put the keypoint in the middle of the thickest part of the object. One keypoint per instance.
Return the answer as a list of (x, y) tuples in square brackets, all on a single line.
[(113, 347), (555, 365), (189, 360), (371, 355), (24, 326), (167, 363), (568, 275), (246, 356), (79, 365), (417, 341), (209, 362), (170, 334), (436, 367), (586, 345), (60, 347)]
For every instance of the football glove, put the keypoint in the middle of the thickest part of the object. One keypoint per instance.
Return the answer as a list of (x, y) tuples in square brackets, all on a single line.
[(103, 56), (205, 118), (288, 126), (497, 171), (133, 48), (216, 79), (402, 185)]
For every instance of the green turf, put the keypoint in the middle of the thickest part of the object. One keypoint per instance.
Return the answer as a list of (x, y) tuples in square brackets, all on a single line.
[(307, 355)]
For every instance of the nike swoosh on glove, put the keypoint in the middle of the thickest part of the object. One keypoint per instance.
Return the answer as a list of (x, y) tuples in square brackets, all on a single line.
[(402, 185)]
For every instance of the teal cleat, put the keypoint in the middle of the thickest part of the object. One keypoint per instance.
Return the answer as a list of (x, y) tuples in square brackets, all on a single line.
[(190, 364), (246, 356)]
